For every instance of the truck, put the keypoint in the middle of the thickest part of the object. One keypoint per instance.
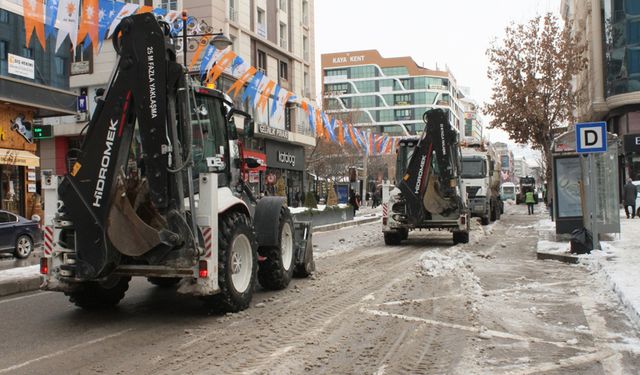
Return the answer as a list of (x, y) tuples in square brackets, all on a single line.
[(428, 193), (481, 180), (157, 191), (526, 184), (508, 191)]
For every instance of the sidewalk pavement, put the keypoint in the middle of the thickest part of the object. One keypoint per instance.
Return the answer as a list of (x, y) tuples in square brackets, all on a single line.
[(25, 279), (618, 262)]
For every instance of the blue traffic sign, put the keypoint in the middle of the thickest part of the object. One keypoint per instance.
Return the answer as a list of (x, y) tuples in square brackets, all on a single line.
[(591, 137)]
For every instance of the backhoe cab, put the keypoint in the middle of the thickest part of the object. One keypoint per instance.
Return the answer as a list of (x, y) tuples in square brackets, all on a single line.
[(157, 191)]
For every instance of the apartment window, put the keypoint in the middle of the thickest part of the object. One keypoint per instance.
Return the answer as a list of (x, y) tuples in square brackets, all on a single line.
[(284, 70), (169, 4), (233, 43), (4, 16), (367, 86), (395, 71), (404, 99), (4, 49), (27, 52), (403, 114), (60, 65), (233, 12), (305, 12), (283, 35), (262, 61), (337, 88), (366, 71), (261, 29), (306, 86), (305, 47), (283, 5)]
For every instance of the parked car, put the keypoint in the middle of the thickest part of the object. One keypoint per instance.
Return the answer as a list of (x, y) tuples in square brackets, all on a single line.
[(19, 235)]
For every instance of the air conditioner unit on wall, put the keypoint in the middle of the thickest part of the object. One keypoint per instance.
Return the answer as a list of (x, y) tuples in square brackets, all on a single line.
[(82, 117)]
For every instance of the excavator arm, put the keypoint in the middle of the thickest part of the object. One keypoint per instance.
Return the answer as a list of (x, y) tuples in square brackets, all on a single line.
[(142, 88), (428, 185)]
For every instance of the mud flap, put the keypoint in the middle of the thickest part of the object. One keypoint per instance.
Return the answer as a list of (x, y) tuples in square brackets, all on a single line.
[(304, 263)]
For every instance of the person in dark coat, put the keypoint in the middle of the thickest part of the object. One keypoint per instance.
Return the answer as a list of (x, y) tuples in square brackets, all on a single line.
[(354, 201), (629, 194)]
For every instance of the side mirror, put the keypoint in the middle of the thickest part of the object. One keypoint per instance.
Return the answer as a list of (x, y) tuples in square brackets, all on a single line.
[(232, 130), (249, 128), (247, 120)]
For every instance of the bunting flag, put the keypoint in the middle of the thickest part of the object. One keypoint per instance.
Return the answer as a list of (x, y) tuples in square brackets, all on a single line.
[(109, 10), (305, 107), (159, 12), (253, 88), (352, 136), (202, 44), (276, 97), (145, 9), (127, 10), (242, 80), (222, 63), (34, 19), (50, 17), (340, 133), (89, 24), (319, 125), (264, 95), (208, 55), (67, 21)]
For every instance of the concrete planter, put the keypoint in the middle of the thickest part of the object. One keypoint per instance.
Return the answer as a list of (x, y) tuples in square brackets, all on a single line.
[(329, 215)]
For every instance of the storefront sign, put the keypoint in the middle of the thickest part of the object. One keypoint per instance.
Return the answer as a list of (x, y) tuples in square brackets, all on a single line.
[(284, 156), (271, 131), (345, 59), (631, 143), (21, 66)]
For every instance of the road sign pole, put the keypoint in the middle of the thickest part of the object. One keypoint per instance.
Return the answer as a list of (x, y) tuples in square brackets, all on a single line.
[(593, 202)]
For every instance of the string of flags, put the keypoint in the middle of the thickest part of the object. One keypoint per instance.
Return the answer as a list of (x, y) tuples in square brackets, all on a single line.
[(90, 22)]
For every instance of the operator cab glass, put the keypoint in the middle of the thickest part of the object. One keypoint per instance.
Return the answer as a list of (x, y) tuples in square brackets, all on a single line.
[(209, 132)]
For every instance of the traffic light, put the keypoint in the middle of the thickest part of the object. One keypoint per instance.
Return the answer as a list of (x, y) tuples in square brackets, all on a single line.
[(42, 131)]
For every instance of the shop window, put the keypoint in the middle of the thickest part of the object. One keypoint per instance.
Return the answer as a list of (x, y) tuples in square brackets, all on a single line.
[(12, 188)]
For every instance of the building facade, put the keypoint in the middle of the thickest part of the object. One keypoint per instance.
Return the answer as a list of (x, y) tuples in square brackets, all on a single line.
[(387, 95), (275, 36), (611, 83), (506, 162), (34, 84), (472, 128)]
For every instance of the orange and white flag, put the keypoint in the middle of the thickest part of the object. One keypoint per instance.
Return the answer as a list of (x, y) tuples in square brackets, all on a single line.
[(34, 18), (89, 23), (67, 21)]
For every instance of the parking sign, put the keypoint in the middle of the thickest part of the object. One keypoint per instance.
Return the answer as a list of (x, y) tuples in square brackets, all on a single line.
[(591, 137)]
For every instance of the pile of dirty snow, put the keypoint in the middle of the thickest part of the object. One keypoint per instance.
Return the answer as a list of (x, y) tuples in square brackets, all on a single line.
[(436, 264)]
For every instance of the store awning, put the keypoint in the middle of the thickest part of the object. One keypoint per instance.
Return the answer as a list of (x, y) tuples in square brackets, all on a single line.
[(18, 157)]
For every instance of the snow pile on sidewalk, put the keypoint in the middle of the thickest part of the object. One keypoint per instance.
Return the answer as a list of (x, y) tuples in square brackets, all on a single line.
[(19, 273)]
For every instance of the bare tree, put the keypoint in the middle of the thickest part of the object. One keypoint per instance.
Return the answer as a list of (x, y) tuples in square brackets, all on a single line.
[(532, 70)]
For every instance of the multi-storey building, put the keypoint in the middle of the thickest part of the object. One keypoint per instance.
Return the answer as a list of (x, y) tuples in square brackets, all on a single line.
[(472, 127), (386, 95), (506, 161), (611, 83), (520, 167), (34, 84), (275, 36)]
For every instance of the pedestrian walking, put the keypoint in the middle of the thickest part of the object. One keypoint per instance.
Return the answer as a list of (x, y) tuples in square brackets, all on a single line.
[(530, 200), (353, 201), (629, 194)]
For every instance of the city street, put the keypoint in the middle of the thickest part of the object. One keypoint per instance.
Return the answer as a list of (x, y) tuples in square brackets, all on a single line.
[(487, 307)]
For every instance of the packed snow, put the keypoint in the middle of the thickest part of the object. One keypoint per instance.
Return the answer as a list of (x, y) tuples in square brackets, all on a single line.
[(19, 273)]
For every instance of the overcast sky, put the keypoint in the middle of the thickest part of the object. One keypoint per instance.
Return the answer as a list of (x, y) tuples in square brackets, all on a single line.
[(453, 33)]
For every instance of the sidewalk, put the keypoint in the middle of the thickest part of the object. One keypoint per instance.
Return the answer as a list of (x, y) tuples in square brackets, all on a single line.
[(24, 279), (618, 262)]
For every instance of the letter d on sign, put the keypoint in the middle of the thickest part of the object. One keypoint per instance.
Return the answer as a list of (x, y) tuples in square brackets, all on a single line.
[(590, 137)]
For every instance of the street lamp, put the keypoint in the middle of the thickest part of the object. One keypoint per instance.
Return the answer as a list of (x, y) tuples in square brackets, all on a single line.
[(220, 41)]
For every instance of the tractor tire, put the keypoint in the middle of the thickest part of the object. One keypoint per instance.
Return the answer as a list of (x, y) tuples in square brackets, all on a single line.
[(237, 263), (164, 282), (276, 270), (494, 213), (460, 237), (485, 220), (97, 295), (392, 238)]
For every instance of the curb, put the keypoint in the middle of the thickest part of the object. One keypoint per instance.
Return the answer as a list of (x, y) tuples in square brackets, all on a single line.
[(626, 302), (566, 258), (21, 285), (345, 224)]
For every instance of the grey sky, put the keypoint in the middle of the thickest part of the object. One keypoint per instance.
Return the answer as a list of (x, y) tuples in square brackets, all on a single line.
[(453, 33)]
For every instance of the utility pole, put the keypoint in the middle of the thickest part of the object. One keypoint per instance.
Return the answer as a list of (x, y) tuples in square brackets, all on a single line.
[(364, 167)]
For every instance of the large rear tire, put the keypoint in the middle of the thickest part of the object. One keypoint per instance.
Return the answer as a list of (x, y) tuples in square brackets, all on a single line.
[(392, 238), (237, 263), (484, 220), (95, 295), (276, 270), (460, 237)]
